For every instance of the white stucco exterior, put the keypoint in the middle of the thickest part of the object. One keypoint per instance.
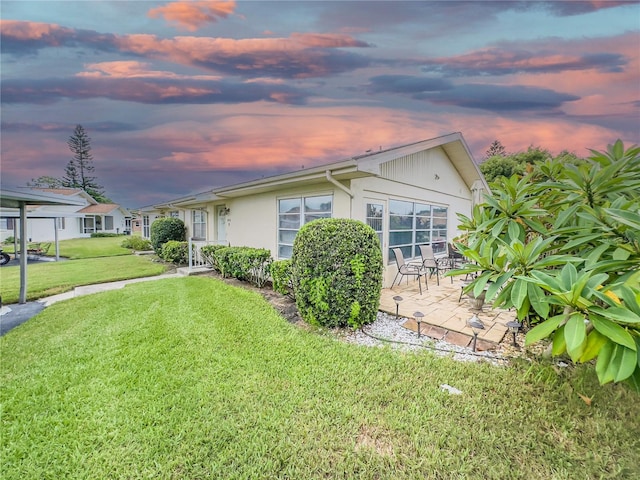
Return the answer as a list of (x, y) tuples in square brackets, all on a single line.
[(434, 174)]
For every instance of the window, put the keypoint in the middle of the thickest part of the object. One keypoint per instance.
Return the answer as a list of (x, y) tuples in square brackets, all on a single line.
[(98, 220), (6, 223), (199, 224), (414, 224), (60, 223), (108, 222), (88, 224), (174, 214), (295, 212), (145, 226), (375, 214)]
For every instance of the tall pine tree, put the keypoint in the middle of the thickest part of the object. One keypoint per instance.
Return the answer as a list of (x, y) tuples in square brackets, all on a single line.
[(495, 149), (78, 170)]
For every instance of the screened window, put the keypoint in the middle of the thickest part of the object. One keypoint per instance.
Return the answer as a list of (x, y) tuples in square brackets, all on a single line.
[(60, 223), (375, 214), (199, 224), (6, 223), (108, 222), (145, 226), (295, 212), (413, 224)]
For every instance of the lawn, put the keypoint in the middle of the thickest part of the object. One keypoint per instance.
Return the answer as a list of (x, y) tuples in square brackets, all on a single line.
[(76, 248), (192, 378), (50, 278)]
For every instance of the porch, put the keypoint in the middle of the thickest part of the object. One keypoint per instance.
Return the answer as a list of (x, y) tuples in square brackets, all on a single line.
[(445, 314)]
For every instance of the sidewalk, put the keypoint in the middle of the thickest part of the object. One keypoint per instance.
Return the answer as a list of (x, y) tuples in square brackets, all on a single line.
[(16, 314)]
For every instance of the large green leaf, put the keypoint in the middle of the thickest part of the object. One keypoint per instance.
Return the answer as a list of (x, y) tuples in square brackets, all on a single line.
[(497, 284), (595, 341), (612, 331), (615, 363), (559, 345), (618, 314), (544, 329), (518, 292), (575, 334), (538, 300)]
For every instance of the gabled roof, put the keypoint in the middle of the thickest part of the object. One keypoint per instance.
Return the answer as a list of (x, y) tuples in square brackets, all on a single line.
[(13, 197), (366, 165), (70, 192), (100, 208)]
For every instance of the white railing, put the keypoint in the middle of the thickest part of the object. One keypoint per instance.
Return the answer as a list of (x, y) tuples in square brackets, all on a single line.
[(196, 259)]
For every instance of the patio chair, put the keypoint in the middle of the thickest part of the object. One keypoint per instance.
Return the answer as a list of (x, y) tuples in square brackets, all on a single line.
[(407, 270), (455, 256), (433, 264)]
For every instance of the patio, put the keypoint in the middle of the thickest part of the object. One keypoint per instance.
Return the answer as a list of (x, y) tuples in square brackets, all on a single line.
[(445, 318)]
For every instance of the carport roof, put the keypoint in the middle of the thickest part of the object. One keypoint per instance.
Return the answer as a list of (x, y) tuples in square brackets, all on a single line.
[(13, 197)]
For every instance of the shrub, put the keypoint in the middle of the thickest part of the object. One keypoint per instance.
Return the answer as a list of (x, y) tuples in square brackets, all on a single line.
[(175, 252), (244, 263), (281, 276), (10, 240), (561, 246), (105, 234), (208, 253), (136, 242), (165, 229), (336, 271)]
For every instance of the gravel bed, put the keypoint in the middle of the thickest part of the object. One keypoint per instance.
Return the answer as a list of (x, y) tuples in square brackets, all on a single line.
[(387, 330)]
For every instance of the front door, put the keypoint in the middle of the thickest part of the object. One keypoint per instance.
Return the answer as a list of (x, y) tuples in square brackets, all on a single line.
[(221, 235)]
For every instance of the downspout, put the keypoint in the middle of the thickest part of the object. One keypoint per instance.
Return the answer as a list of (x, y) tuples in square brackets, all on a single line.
[(338, 184)]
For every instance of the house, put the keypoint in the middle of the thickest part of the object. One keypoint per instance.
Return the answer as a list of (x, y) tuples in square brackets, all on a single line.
[(71, 221), (409, 195)]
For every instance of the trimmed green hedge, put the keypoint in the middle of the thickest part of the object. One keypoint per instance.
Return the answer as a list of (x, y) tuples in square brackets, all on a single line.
[(165, 229), (135, 242), (175, 252), (208, 252), (244, 263), (281, 276), (336, 272)]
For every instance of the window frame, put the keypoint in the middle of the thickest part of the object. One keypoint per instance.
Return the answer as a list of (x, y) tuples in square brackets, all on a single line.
[(199, 228), (303, 215)]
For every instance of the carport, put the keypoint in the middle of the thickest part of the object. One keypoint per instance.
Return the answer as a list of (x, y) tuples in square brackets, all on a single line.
[(19, 199)]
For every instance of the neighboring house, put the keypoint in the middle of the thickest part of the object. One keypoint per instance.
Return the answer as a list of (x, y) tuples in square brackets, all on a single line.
[(70, 221), (409, 195)]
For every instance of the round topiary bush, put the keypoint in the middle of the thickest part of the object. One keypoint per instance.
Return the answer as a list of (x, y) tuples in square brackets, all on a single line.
[(336, 272), (165, 229)]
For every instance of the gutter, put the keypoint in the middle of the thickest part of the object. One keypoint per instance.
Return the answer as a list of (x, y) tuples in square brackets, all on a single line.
[(337, 183)]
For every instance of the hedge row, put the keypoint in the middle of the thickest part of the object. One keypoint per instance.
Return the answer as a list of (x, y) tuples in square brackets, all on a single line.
[(243, 263)]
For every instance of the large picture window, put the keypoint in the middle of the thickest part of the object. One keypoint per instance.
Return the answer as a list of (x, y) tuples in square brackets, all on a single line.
[(295, 212), (375, 213), (413, 224)]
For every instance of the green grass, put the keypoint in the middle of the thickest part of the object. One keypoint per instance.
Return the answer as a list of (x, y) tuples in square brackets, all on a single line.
[(191, 378), (76, 248), (50, 278)]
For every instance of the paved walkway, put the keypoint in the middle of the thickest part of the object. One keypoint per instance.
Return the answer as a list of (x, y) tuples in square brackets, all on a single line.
[(16, 314), (445, 312)]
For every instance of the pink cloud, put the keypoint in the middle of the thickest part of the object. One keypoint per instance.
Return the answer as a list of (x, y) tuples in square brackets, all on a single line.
[(191, 15), (134, 69)]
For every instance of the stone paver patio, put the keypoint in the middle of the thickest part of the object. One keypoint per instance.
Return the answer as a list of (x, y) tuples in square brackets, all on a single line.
[(445, 318)]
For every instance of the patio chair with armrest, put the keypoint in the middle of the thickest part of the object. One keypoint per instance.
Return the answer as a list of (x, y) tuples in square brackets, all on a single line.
[(407, 270), (456, 258), (433, 264)]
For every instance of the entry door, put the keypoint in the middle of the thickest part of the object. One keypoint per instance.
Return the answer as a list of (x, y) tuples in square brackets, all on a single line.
[(222, 225)]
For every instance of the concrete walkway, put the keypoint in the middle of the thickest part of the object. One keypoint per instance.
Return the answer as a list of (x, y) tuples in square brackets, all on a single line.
[(16, 314)]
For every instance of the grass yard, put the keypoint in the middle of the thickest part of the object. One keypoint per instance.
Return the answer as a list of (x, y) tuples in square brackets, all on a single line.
[(76, 248), (50, 278), (191, 378)]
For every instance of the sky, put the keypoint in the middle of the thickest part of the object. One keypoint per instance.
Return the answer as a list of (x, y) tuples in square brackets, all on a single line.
[(180, 97)]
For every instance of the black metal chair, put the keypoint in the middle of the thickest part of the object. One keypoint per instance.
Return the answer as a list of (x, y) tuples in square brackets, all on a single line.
[(408, 270)]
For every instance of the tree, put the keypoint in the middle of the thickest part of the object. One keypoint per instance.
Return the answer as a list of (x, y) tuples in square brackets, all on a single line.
[(45, 181), (496, 149), (561, 246), (518, 163), (78, 170)]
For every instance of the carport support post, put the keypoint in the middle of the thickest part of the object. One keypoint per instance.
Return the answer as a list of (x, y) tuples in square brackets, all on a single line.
[(23, 252), (55, 236)]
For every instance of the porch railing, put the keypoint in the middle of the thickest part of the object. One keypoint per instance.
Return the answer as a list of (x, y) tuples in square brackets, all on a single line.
[(196, 259)]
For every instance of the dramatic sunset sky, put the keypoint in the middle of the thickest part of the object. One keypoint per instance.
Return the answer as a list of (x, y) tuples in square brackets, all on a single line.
[(180, 97)]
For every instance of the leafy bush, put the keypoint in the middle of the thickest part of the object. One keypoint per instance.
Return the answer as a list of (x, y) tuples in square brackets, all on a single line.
[(562, 247), (281, 276), (137, 243), (105, 234), (175, 252), (244, 263), (336, 271), (10, 240), (165, 229), (208, 253)]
